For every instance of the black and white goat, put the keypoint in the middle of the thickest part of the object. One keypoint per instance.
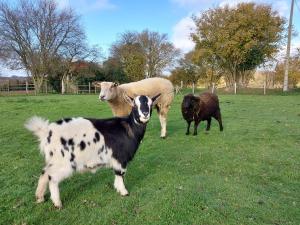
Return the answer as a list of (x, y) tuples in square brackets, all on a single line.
[(79, 144)]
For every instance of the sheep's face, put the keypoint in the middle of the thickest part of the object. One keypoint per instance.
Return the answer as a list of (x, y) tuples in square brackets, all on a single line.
[(188, 102), (142, 107), (108, 91)]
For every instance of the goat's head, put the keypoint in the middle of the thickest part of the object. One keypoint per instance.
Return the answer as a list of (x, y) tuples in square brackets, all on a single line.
[(142, 107)]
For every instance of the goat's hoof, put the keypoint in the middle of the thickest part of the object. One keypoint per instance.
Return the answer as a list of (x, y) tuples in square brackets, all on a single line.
[(40, 200), (163, 137), (187, 133), (124, 193), (58, 206), (194, 134)]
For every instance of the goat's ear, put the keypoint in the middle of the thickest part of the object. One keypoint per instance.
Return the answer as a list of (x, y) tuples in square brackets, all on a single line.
[(128, 99), (97, 83), (155, 98)]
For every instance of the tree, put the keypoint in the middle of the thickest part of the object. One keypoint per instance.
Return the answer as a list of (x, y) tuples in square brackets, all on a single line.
[(129, 53), (294, 70), (144, 54), (159, 52), (33, 33), (64, 67), (113, 71), (238, 39), (187, 71)]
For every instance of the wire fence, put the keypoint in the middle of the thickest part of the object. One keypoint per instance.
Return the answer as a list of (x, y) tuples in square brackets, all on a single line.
[(262, 89), (28, 88)]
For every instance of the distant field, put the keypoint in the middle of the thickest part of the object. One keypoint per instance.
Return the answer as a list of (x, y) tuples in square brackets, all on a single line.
[(248, 174)]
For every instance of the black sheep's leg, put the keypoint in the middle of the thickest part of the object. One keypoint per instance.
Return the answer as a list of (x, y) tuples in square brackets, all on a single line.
[(208, 124), (218, 117), (197, 122), (188, 127)]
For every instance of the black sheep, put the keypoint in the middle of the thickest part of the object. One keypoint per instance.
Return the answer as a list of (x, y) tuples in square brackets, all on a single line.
[(200, 108)]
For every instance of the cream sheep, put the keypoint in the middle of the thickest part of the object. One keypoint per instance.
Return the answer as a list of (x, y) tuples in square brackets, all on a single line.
[(114, 95)]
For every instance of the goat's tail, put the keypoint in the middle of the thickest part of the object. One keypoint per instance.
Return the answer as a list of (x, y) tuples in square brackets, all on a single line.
[(38, 126)]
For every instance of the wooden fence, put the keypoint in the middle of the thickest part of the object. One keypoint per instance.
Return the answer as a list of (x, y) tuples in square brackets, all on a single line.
[(29, 89)]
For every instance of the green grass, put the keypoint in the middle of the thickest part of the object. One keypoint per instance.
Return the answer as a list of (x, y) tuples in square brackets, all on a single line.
[(248, 174)]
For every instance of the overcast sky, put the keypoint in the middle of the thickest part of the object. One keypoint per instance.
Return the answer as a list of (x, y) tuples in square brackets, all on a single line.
[(104, 20)]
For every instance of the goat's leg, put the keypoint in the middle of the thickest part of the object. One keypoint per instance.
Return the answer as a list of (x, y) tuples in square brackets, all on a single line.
[(119, 182), (54, 190), (41, 188), (208, 124), (188, 127), (197, 122), (218, 117), (56, 174)]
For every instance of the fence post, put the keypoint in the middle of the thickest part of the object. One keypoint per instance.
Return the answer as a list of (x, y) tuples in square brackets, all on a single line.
[(89, 87), (193, 88), (95, 89), (213, 88), (8, 86), (235, 88), (77, 89), (265, 88), (181, 84), (46, 86), (26, 87)]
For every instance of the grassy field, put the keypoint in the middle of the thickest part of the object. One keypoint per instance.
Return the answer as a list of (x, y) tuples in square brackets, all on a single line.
[(248, 174)]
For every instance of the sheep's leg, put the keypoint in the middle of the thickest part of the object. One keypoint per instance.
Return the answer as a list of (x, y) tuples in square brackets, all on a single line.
[(197, 122), (163, 112), (188, 127), (208, 124), (163, 124), (218, 117), (41, 188), (119, 182)]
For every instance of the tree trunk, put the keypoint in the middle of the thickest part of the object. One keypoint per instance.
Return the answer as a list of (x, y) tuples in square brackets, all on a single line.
[(63, 85), (38, 82), (63, 90)]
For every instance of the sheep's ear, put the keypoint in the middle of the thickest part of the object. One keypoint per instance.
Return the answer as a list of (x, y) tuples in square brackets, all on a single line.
[(155, 98), (128, 99), (115, 84), (195, 97), (97, 83)]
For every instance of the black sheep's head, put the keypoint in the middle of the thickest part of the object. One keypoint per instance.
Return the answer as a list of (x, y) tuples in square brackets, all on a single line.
[(189, 101)]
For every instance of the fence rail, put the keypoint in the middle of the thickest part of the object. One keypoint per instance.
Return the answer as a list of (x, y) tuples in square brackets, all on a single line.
[(29, 89)]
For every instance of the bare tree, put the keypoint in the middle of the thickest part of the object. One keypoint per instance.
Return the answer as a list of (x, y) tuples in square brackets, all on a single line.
[(159, 52), (33, 33), (63, 65)]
